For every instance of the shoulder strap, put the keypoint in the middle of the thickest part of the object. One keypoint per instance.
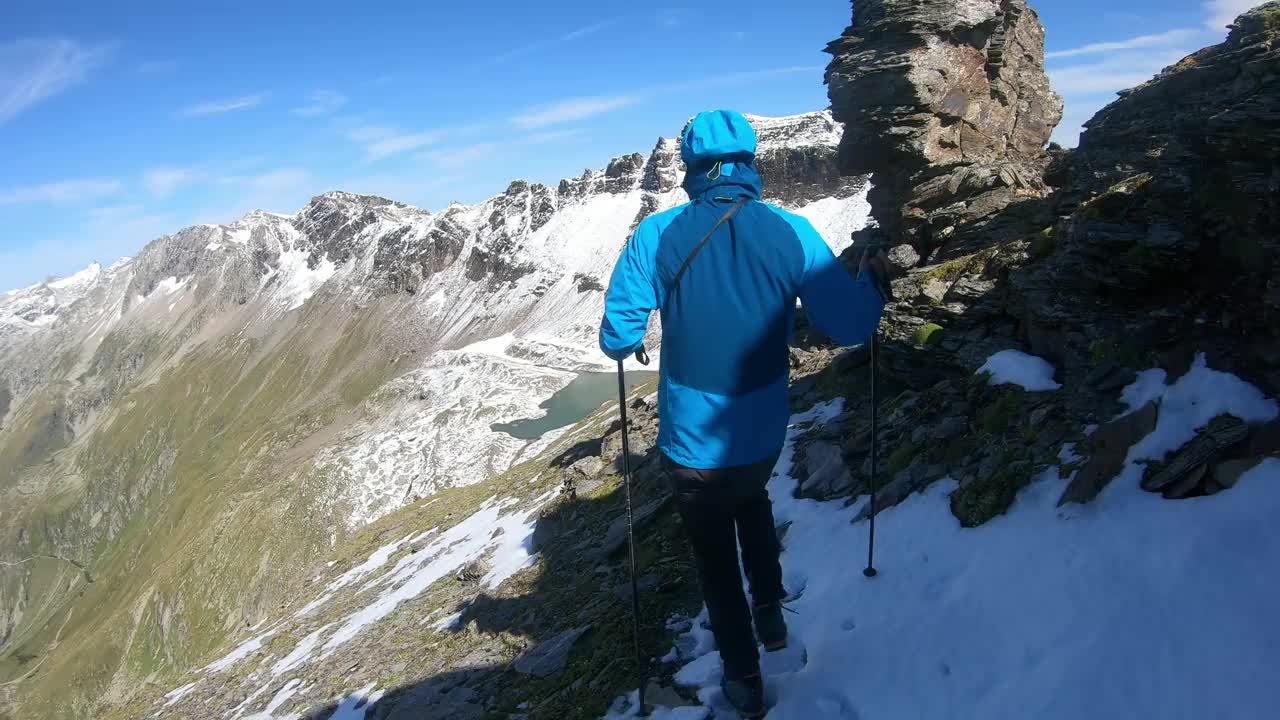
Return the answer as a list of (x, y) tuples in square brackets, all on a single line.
[(723, 219)]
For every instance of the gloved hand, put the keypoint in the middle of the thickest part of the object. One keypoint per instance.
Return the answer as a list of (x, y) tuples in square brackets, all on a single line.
[(877, 263)]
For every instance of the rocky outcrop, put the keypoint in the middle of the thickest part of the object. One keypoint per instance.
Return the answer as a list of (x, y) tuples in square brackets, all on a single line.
[(948, 105), (1169, 228), (1155, 240)]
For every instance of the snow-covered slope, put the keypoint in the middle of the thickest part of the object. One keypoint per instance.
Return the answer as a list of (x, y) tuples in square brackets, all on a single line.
[(1048, 612)]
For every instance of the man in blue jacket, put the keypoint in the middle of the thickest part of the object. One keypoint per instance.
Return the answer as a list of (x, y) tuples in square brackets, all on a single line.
[(724, 271)]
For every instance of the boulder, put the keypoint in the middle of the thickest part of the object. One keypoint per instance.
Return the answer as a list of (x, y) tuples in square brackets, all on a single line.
[(1221, 433), (947, 105), (825, 474), (1107, 447), (616, 536), (550, 656)]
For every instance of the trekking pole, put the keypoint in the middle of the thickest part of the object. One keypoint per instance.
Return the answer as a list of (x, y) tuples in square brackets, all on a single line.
[(870, 570), (886, 293), (643, 358)]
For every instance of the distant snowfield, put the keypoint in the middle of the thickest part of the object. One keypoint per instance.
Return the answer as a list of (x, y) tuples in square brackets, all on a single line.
[(1132, 606)]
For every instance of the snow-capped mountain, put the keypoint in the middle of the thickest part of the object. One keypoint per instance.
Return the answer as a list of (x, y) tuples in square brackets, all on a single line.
[(498, 301)]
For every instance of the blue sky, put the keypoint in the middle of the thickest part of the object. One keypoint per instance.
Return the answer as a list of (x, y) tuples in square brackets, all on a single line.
[(120, 122)]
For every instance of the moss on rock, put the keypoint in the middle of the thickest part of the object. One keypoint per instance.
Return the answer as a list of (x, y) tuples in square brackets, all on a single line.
[(986, 498), (927, 335)]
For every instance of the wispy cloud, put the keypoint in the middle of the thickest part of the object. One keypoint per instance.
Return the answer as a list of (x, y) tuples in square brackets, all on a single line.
[(736, 78), (1163, 39), (382, 141), (461, 156), (223, 106), (32, 70), (568, 36), (63, 191), (1224, 12), (284, 189), (400, 143), (1115, 73), (581, 108), (104, 234), (282, 180), (321, 102), (553, 136), (162, 181), (587, 30), (367, 133), (1089, 76), (571, 109)]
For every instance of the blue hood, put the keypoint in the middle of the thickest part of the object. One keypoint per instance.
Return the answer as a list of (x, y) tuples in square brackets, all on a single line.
[(719, 150)]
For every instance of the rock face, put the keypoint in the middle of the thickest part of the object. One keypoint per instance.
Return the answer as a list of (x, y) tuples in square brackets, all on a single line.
[(1153, 241), (948, 104), (1170, 213)]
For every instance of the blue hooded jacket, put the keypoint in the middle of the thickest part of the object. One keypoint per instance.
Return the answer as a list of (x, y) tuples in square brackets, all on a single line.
[(723, 388)]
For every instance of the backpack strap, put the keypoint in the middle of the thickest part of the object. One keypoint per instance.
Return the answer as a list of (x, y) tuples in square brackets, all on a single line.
[(723, 219)]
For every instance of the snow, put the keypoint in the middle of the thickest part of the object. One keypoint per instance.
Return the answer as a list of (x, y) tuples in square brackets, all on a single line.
[(1190, 403), (85, 277), (1147, 386), (241, 652), (836, 219), (1131, 606), (289, 690), (355, 705), (514, 350), (375, 560), (170, 285), (797, 130), (449, 622), (300, 654), (174, 696), (301, 282), (508, 537), (1014, 367)]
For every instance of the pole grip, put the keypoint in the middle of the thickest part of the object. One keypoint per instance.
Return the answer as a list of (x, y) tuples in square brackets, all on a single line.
[(882, 283)]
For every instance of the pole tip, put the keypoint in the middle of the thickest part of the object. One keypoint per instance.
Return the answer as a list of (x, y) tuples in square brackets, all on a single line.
[(869, 572)]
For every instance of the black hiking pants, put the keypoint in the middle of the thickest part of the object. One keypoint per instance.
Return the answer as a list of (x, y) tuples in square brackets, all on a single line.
[(712, 505)]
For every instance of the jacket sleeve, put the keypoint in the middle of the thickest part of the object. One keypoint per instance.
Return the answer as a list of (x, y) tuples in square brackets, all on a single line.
[(632, 294), (847, 310)]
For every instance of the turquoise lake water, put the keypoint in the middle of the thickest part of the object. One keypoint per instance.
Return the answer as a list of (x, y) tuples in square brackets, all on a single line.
[(573, 402)]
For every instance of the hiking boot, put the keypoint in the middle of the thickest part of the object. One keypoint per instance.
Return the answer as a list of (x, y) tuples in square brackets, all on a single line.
[(745, 694), (771, 629)]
